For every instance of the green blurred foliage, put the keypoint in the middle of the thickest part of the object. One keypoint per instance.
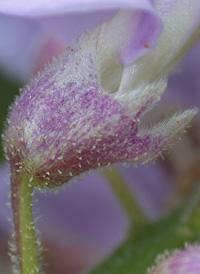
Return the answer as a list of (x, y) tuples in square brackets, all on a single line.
[(9, 89), (144, 244)]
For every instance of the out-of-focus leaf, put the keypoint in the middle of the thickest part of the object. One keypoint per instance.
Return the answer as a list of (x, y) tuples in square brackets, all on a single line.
[(144, 244), (7, 93)]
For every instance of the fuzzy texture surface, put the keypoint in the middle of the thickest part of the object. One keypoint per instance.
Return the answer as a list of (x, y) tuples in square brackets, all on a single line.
[(84, 111), (183, 262)]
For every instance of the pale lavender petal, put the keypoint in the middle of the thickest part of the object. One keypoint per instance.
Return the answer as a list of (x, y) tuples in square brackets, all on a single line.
[(130, 35), (29, 44), (182, 262), (184, 85), (87, 209), (152, 187), (21, 45), (5, 211), (94, 198), (63, 26), (66, 27), (5, 214), (48, 7), (182, 18), (85, 217), (142, 38)]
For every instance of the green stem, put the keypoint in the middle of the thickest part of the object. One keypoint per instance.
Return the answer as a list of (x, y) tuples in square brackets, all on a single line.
[(21, 197), (125, 196)]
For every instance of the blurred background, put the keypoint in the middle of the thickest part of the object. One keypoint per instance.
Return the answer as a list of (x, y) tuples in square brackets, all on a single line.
[(85, 222)]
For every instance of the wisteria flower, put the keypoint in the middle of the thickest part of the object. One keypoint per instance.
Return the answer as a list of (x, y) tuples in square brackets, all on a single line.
[(103, 87), (84, 111)]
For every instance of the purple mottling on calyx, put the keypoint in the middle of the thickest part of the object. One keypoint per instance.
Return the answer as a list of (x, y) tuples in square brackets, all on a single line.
[(64, 123), (184, 262)]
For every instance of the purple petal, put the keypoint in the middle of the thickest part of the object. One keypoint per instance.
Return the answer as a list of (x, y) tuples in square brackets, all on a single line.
[(38, 40), (22, 45), (184, 84), (39, 7), (88, 216), (141, 39), (66, 27), (85, 218), (152, 188), (20, 60), (130, 35), (89, 210), (182, 19), (19, 45), (5, 211)]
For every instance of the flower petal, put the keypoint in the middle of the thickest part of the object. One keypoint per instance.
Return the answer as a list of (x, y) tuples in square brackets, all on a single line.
[(5, 212), (87, 217), (20, 42), (89, 210), (66, 27), (152, 187), (184, 86), (48, 7), (130, 34), (181, 30), (182, 17), (30, 35)]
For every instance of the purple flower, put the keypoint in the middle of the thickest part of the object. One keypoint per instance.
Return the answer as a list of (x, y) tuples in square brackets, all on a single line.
[(182, 262), (84, 111), (39, 32)]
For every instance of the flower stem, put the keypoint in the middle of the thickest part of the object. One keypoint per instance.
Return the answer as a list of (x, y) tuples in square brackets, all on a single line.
[(125, 196), (26, 246)]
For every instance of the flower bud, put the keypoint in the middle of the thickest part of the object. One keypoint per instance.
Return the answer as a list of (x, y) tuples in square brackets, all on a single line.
[(84, 111), (183, 262)]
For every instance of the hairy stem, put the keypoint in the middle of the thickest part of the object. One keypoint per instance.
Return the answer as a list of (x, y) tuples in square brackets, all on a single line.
[(125, 196), (26, 247)]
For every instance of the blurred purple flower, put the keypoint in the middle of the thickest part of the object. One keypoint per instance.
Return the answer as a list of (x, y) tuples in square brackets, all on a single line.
[(84, 223), (33, 27)]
